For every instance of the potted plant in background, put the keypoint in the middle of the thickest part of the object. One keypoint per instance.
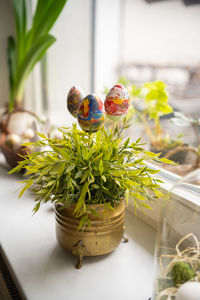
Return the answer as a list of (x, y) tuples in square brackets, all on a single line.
[(89, 174), (149, 111), (23, 53)]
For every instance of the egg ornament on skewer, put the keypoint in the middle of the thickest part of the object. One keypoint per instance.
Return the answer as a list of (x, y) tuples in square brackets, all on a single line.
[(91, 113), (74, 99), (117, 102)]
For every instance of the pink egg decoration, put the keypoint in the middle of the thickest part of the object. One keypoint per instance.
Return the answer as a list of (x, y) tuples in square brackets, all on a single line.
[(117, 102), (74, 99)]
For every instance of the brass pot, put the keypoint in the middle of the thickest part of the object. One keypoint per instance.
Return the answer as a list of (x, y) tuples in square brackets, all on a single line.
[(103, 236)]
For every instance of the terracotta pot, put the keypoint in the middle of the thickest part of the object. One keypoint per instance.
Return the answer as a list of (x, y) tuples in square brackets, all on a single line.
[(103, 236)]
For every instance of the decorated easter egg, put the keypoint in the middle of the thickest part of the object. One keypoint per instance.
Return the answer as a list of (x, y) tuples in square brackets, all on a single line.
[(117, 102), (91, 113), (74, 99)]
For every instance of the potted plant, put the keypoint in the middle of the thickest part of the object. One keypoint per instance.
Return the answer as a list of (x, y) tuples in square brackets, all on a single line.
[(23, 53), (149, 111), (89, 175)]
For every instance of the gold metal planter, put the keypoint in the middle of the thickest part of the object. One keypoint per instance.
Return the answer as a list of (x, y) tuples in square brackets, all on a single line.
[(103, 236)]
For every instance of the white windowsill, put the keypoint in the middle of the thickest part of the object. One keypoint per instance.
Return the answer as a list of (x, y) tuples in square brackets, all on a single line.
[(45, 271)]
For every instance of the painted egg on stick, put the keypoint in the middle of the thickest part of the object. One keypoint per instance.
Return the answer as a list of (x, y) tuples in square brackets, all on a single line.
[(117, 102), (91, 113), (74, 99)]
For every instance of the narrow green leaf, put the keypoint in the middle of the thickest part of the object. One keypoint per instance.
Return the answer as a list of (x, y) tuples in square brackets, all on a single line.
[(95, 186), (70, 168), (138, 140), (118, 183), (167, 161), (127, 195), (152, 171), (33, 56), (104, 178), (146, 206), (15, 169), (78, 174), (101, 166), (45, 16), (37, 206), (49, 183), (85, 176), (42, 135), (81, 199), (98, 157), (126, 142), (131, 183), (94, 212), (151, 154), (29, 183), (20, 24), (11, 57), (82, 222)]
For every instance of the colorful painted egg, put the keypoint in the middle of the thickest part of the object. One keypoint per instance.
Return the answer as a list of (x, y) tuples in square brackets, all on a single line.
[(117, 102), (91, 113), (74, 99)]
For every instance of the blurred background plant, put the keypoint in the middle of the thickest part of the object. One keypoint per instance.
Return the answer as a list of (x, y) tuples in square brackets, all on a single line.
[(24, 51), (30, 44), (150, 102), (149, 106)]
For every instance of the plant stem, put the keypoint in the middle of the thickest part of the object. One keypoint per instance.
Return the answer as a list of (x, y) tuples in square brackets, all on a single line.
[(11, 103), (147, 128), (158, 127)]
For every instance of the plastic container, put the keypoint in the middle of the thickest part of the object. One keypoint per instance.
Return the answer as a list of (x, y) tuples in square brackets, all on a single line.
[(177, 258)]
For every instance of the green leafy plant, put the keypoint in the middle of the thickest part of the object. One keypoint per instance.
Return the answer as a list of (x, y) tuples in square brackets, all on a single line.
[(30, 45), (84, 169), (154, 105)]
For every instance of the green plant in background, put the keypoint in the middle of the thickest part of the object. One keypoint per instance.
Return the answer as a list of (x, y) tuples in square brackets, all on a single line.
[(30, 44), (85, 169), (154, 105)]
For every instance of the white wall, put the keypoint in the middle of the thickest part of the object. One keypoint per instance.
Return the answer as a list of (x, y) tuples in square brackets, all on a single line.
[(69, 59), (163, 32), (6, 29), (133, 31), (126, 31), (107, 43)]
